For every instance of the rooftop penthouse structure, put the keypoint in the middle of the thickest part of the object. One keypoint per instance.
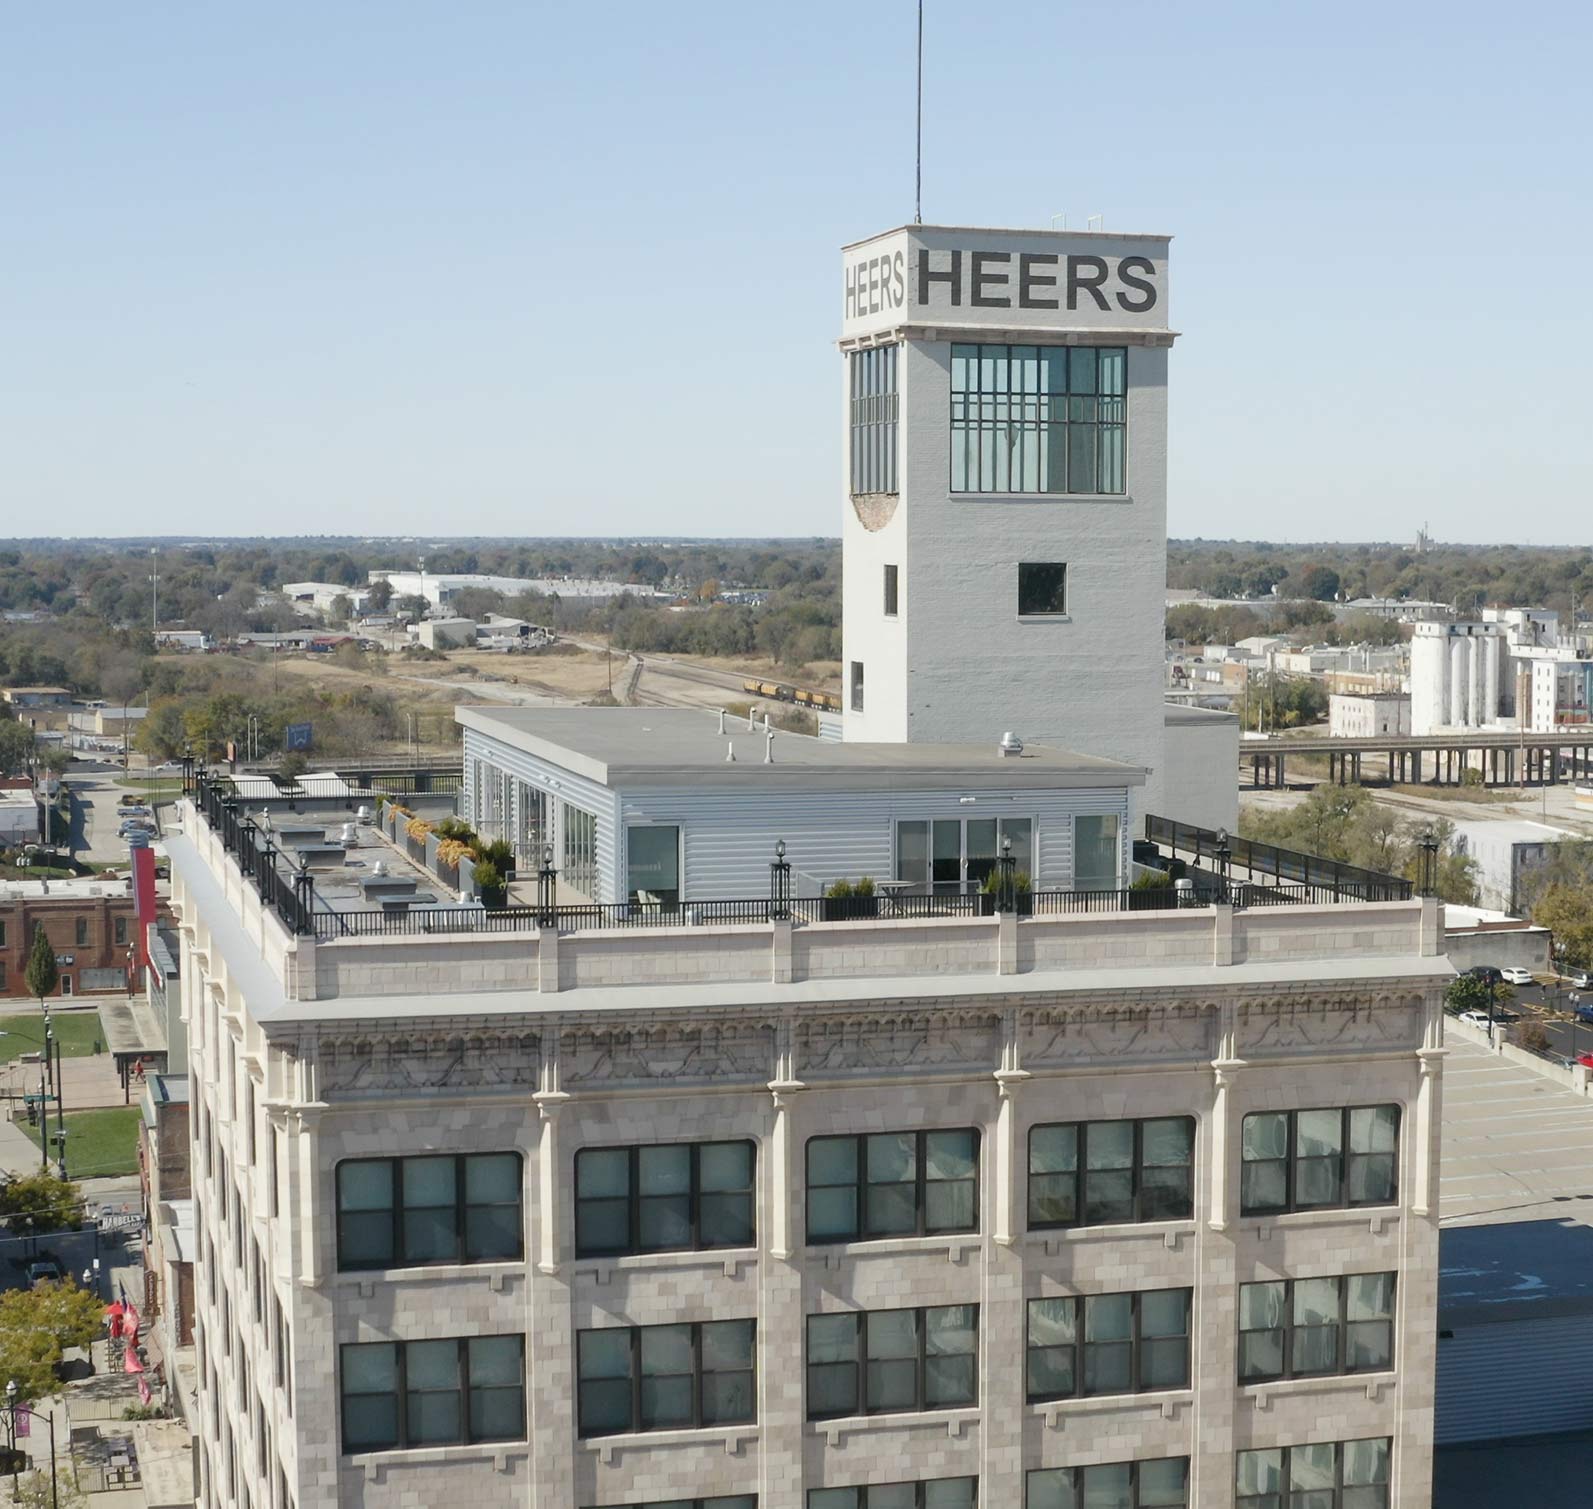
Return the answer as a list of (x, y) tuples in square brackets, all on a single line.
[(615, 1203)]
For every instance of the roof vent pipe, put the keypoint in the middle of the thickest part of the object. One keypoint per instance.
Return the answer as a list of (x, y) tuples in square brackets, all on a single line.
[(721, 720), (1011, 745), (730, 752), (752, 719), (768, 747)]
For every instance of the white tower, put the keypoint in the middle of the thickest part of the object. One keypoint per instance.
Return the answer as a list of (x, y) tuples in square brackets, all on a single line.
[(1005, 535)]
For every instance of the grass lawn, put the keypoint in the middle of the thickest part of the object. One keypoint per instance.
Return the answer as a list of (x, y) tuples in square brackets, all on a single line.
[(98, 1143), (78, 1032), (163, 788)]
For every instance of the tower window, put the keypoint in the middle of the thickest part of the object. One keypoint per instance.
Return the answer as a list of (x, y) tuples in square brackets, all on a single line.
[(856, 683), (892, 579), (1038, 419), (1042, 589), (873, 419)]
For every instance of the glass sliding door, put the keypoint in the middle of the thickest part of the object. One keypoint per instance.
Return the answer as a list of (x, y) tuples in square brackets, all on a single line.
[(952, 856), (1096, 853), (652, 864)]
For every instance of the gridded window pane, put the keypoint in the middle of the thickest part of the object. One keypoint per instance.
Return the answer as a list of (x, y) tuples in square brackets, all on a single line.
[(1052, 1355), (1164, 1338), (1262, 1315), (370, 1396), (1316, 1320), (873, 419), (1369, 1317), (604, 1367), (1318, 1161), (663, 1181), (892, 1359), (904, 1184), (951, 1344), (1051, 1489), (1109, 1172), (1109, 1344), (1167, 1189), (492, 1207), (431, 1401), (1164, 1484), (725, 1176), (429, 1221), (666, 1377), (833, 1194), (1264, 1165), (892, 1163), (365, 1214), (950, 1493), (951, 1169), (1036, 418), (1374, 1145), (835, 1498), (663, 1197), (496, 1368), (1108, 1486), (1053, 1176), (1260, 1478), (833, 1381)]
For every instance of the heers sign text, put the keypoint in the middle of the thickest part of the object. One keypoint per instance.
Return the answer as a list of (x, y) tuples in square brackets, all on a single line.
[(876, 284), (1038, 280)]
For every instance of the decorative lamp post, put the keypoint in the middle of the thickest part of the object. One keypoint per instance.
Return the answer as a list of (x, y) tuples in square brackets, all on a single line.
[(1006, 880), (13, 1409), (1224, 853), (1427, 869), (780, 884), (547, 890)]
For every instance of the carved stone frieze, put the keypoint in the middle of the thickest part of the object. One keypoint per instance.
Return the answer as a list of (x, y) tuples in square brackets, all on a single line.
[(695, 1051), (1279, 1028), (428, 1061), (895, 1041), (1061, 1036)]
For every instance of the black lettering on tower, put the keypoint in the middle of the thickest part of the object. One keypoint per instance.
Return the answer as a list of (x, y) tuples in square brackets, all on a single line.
[(1127, 278), (1029, 279), (1087, 273), (873, 284), (978, 277), (951, 277), (899, 290)]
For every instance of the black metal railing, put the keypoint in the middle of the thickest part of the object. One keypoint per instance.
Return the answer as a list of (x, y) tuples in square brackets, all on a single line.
[(285, 889), (1224, 853)]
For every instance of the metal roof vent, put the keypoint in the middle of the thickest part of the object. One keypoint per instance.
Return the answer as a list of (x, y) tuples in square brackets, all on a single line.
[(1010, 746), (730, 752)]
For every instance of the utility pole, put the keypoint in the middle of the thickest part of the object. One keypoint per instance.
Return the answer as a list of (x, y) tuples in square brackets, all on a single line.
[(154, 589)]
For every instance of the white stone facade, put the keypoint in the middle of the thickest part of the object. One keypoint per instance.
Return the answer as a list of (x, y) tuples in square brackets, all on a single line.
[(304, 1054)]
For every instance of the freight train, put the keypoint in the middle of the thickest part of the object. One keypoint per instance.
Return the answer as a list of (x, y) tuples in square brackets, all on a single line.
[(778, 691)]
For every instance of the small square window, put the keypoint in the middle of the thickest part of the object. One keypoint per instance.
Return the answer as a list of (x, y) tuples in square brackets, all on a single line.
[(1042, 589)]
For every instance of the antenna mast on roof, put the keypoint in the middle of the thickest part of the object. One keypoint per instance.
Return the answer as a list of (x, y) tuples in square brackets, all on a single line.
[(918, 160)]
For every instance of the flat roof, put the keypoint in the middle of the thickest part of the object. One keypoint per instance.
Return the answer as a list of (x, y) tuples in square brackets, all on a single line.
[(1516, 1193), (676, 746), (1013, 230)]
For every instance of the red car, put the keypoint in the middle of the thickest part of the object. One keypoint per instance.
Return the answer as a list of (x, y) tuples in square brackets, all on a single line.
[(1585, 1059)]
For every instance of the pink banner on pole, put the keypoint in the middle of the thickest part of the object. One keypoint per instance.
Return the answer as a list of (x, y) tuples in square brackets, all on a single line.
[(24, 1422)]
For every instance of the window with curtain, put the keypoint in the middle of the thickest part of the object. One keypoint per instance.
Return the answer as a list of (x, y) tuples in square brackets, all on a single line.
[(1097, 1173), (1299, 1328), (1315, 1160), (1096, 853), (892, 1184), (664, 1197), (680, 1377), (1038, 419), (432, 1393), (401, 1212), (1080, 1346), (873, 1362), (1323, 1475), (873, 419), (1162, 1483)]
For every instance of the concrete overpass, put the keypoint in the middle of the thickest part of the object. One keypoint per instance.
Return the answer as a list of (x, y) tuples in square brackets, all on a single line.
[(1505, 758)]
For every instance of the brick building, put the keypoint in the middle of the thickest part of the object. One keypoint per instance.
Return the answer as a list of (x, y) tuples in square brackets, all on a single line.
[(91, 923)]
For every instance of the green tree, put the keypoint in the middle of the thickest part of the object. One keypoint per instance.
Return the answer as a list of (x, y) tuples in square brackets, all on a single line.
[(381, 595), (1319, 582), (1469, 993), (412, 608), (37, 1326), (52, 1204), (42, 975), (1567, 911), (162, 735), (341, 609), (38, 1491), (16, 747)]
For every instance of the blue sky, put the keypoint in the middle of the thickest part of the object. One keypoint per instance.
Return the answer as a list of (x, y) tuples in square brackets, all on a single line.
[(537, 269)]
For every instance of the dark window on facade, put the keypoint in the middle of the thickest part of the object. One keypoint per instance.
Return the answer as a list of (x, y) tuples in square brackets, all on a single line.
[(932, 1493), (2, 974), (1325, 1475), (724, 1501), (432, 1393), (633, 1378), (892, 580), (856, 682), (1159, 1484), (892, 1184), (80, 931), (119, 930), (1096, 1173), (1042, 589), (1311, 1160), (1037, 419), (1308, 1327), (874, 1362), (1084, 1345), (399, 1212), (668, 1197), (873, 415)]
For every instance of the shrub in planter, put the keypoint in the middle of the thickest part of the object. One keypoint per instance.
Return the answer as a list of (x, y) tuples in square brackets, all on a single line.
[(500, 855), (1022, 893), (490, 886), (1152, 893), (845, 900)]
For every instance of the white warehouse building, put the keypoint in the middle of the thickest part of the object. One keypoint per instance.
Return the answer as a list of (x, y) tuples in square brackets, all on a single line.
[(1459, 676)]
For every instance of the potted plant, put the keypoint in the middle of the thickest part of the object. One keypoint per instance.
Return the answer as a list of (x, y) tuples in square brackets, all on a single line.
[(1152, 892), (490, 886), (1022, 893), (847, 901)]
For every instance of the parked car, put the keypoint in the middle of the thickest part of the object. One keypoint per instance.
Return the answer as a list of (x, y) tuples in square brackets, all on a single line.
[(1583, 1011), (1585, 1059), (1487, 973), (43, 1271), (1517, 976), (138, 825), (1475, 1018), (1579, 979)]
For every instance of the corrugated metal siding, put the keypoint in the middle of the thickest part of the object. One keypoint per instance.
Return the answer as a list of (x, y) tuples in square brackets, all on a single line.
[(730, 836), (562, 786), (1516, 1378)]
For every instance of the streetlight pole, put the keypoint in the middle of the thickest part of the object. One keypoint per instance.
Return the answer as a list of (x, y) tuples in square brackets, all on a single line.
[(12, 1410)]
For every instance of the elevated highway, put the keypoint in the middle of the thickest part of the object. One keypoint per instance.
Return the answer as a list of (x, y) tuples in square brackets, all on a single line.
[(1508, 757)]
